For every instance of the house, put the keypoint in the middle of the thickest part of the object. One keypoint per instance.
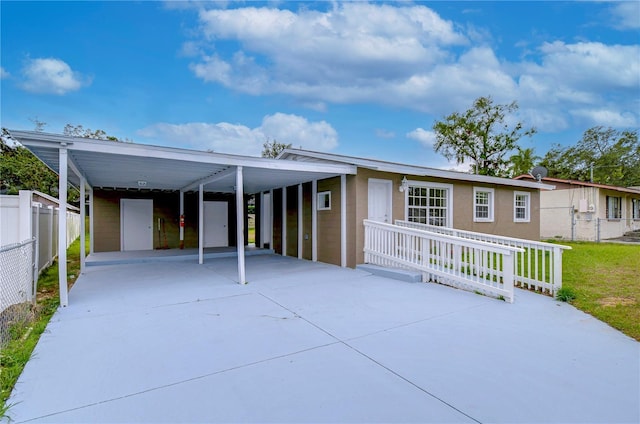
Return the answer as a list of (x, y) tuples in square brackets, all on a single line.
[(309, 205), (579, 210)]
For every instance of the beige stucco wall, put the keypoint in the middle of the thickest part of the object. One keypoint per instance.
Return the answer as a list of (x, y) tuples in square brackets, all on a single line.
[(106, 220)]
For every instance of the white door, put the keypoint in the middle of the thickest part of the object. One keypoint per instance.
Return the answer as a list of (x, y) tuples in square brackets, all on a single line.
[(380, 200), (216, 220), (136, 217)]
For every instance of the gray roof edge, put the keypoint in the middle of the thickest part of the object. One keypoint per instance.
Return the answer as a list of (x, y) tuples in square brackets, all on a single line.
[(412, 169), (35, 138)]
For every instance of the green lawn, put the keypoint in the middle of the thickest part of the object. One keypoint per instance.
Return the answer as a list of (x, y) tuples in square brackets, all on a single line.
[(606, 280)]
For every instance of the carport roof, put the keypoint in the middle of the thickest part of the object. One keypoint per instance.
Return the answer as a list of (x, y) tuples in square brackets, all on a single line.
[(109, 164)]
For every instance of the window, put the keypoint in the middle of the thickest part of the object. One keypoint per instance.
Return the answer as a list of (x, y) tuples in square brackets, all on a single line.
[(521, 202), (324, 201), (635, 206), (614, 207), (429, 203), (482, 204)]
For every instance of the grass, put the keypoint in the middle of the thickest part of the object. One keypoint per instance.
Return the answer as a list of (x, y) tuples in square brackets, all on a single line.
[(24, 337), (605, 280)]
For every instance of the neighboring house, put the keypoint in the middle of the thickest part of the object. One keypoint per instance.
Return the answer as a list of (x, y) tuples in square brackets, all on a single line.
[(579, 210), (308, 204)]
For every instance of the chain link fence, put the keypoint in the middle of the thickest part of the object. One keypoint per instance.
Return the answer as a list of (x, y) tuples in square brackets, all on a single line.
[(17, 286)]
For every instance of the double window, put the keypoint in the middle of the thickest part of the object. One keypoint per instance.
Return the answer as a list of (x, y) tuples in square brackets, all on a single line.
[(521, 206), (429, 203), (614, 207), (483, 204)]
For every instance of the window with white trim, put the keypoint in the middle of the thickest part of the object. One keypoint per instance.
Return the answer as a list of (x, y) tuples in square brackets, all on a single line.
[(635, 207), (521, 206), (483, 204), (429, 203), (614, 207), (324, 201)]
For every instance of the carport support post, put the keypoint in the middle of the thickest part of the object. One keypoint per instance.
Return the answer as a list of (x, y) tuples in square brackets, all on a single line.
[(284, 221), (181, 219), (300, 224), (314, 221), (83, 207), (62, 226), (201, 224), (343, 220), (90, 220), (240, 225)]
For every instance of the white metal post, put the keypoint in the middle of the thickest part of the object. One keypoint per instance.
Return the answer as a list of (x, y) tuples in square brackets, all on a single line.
[(284, 221), (36, 260), (62, 227), (83, 213), (300, 222), (262, 212), (343, 220), (90, 220), (314, 221), (240, 225), (271, 218), (181, 219), (201, 225)]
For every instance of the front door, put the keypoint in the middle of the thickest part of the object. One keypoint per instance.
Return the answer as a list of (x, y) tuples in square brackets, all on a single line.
[(380, 200), (216, 220), (136, 217)]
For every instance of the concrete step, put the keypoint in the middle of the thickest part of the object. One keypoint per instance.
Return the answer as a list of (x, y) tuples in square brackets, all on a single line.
[(393, 273)]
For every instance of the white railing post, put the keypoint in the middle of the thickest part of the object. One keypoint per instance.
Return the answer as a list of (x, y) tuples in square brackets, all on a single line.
[(507, 276), (557, 270)]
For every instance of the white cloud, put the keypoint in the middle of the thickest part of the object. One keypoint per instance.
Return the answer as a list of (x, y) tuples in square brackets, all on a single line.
[(626, 15), (407, 56), (51, 76), (607, 117), (3, 73), (425, 137), (224, 137)]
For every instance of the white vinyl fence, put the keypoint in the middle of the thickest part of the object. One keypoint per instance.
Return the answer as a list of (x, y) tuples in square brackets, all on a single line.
[(537, 266), (471, 265), (28, 244)]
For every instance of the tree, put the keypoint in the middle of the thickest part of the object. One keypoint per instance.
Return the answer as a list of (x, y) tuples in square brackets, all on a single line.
[(612, 156), (271, 148), (481, 134), (522, 162), (21, 170), (80, 131)]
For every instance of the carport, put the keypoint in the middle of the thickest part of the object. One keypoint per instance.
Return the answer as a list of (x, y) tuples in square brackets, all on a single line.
[(89, 164)]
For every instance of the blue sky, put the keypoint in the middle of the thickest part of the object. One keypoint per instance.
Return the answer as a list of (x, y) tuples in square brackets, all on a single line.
[(356, 78)]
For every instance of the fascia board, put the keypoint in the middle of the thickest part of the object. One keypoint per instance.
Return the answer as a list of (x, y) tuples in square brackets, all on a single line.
[(37, 139), (416, 170)]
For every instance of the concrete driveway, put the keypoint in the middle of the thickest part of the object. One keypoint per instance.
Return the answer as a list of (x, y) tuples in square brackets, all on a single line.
[(308, 342)]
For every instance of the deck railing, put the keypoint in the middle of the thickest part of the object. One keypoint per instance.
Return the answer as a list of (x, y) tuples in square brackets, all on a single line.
[(537, 267), (468, 264)]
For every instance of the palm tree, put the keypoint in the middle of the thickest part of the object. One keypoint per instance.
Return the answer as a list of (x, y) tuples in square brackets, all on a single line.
[(522, 162)]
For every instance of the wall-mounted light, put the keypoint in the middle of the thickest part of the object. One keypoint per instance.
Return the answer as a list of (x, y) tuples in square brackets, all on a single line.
[(404, 184), (142, 183)]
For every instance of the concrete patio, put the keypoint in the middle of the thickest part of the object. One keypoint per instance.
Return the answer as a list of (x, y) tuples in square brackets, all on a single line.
[(308, 342)]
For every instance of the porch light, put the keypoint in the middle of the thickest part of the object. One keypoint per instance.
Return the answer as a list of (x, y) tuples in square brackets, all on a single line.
[(404, 184)]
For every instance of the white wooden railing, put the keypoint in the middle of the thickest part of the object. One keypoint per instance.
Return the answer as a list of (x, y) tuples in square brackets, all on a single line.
[(468, 264), (537, 267)]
